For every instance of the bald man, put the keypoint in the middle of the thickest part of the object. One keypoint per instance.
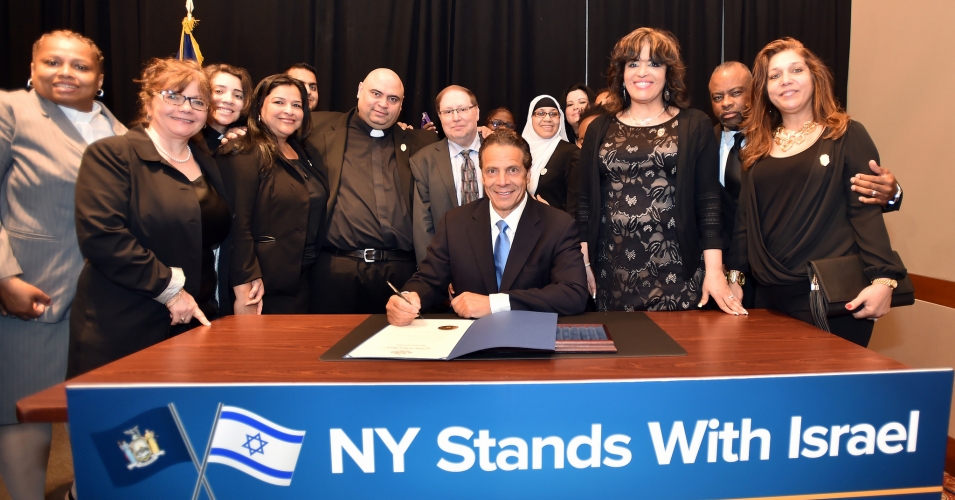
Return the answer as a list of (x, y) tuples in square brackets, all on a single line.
[(369, 238)]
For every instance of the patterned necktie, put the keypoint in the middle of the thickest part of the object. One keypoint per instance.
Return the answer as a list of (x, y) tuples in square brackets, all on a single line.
[(469, 188), (501, 248)]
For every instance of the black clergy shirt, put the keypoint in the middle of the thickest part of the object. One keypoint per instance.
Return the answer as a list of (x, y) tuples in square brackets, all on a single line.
[(371, 211)]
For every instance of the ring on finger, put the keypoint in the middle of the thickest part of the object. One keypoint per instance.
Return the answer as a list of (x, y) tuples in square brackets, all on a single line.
[(731, 297), (874, 193), (182, 319)]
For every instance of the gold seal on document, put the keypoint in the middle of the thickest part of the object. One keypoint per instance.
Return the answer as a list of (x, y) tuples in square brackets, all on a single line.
[(448, 327)]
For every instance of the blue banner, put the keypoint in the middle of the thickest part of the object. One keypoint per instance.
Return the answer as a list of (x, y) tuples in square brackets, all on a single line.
[(860, 435)]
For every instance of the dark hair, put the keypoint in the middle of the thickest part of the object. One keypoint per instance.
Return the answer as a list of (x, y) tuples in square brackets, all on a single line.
[(664, 49), (577, 86), (762, 118), (305, 66), (502, 109), (259, 136), (726, 65), (169, 74), (507, 137), (593, 111), (437, 100), (214, 69), (97, 53)]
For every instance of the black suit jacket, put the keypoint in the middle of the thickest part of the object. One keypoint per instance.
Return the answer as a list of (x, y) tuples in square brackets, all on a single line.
[(328, 137), (271, 217), (136, 217), (544, 271), (558, 186)]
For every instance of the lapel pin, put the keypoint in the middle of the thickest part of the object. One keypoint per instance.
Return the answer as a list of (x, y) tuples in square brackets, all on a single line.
[(404, 148), (544, 171), (824, 160)]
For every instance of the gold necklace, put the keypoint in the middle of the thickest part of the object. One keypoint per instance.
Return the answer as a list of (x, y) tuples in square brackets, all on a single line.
[(786, 139)]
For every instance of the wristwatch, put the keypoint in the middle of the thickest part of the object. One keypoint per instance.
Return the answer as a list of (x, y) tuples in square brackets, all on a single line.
[(736, 277), (891, 283)]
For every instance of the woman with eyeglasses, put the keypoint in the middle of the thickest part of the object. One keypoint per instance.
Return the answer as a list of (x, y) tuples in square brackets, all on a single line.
[(554, 174), (500, 118), (280, 195), (231, 87), (649, 208), (150, 210)]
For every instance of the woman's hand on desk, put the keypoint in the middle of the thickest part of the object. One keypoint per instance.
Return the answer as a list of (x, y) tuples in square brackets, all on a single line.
[(248, 297), (183, 308), (873, 302)]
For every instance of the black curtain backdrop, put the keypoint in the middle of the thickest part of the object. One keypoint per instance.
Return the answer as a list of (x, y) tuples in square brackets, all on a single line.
[(506, 51)]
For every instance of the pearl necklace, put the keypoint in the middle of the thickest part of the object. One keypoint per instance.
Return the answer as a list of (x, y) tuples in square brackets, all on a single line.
[(166, 153), (645, 121), (786, 139)]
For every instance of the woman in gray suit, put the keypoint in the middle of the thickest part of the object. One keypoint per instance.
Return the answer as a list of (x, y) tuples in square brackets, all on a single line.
[(43, 133)]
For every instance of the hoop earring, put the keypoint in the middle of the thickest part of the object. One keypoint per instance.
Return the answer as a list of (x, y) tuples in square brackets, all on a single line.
[(100, 93), (29, 83)]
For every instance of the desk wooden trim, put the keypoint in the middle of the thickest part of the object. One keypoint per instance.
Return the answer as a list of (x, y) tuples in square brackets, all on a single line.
[(277, 349)]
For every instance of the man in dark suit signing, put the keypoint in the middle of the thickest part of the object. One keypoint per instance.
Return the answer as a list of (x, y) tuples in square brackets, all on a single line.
[(505, 251), (368, 231), (447, 173)]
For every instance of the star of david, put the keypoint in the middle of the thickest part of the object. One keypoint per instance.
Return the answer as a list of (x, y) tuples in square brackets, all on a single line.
[(251, 447)]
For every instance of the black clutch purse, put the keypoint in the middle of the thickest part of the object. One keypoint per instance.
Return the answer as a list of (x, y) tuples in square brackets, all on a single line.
[(836, 282)]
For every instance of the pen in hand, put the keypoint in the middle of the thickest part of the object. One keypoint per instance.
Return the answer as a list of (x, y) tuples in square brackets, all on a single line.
[(398, 293)]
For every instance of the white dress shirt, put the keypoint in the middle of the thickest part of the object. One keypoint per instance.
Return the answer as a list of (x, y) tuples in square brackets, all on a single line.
[(727, 137), (500, 301), (93, 125), (457, 161)]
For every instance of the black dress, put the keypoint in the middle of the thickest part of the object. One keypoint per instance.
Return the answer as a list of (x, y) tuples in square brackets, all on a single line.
[(638, 264), (796, 209)]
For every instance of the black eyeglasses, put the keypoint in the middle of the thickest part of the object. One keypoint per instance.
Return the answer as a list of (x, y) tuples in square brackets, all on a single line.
[(176, 99), (501, 123)]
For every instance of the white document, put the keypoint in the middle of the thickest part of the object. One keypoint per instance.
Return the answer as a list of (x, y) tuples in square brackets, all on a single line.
[(422, 339)]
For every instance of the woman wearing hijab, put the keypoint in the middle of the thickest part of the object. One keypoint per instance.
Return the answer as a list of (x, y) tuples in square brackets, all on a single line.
[(554, 160)]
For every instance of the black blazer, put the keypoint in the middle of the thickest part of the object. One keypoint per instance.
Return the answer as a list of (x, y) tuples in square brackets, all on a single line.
[(544, 271), (558, 186), (329, 131), (698, 218), (136, 217), (271, 216)]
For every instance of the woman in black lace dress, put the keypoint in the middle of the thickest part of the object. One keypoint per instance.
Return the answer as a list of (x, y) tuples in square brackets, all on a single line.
[(649, 207)]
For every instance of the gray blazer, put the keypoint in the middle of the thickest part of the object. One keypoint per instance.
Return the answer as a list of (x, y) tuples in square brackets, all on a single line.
[(434, 193), (40, 153)]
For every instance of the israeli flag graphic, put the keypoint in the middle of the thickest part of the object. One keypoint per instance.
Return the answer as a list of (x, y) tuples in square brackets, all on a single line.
[(254, 445)]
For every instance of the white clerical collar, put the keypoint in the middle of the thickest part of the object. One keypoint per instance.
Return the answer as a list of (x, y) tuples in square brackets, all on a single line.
[(77, 116), (377, 133)]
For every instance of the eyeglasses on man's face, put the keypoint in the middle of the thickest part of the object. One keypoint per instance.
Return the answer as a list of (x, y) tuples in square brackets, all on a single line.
[(176, 99), (495, 124), (540, 113), (452, 112)]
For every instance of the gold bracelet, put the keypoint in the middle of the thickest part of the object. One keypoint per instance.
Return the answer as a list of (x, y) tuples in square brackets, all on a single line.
[(891, 283), (175, 298)]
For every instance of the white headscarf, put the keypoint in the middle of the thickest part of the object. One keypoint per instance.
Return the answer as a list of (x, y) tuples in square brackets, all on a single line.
[(541, 149)]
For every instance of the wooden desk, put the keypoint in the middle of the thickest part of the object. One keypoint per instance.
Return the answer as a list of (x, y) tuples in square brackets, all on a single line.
[(243, 349)]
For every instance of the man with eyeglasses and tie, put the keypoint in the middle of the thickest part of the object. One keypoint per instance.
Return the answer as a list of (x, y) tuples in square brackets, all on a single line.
[(504, 252), (369, 237), (447, 173)]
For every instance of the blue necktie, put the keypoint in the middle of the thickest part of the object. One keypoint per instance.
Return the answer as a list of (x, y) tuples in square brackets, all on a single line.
[(501, 248)]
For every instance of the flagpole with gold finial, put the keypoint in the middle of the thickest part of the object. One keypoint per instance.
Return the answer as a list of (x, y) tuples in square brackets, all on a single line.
[(188, 47)]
